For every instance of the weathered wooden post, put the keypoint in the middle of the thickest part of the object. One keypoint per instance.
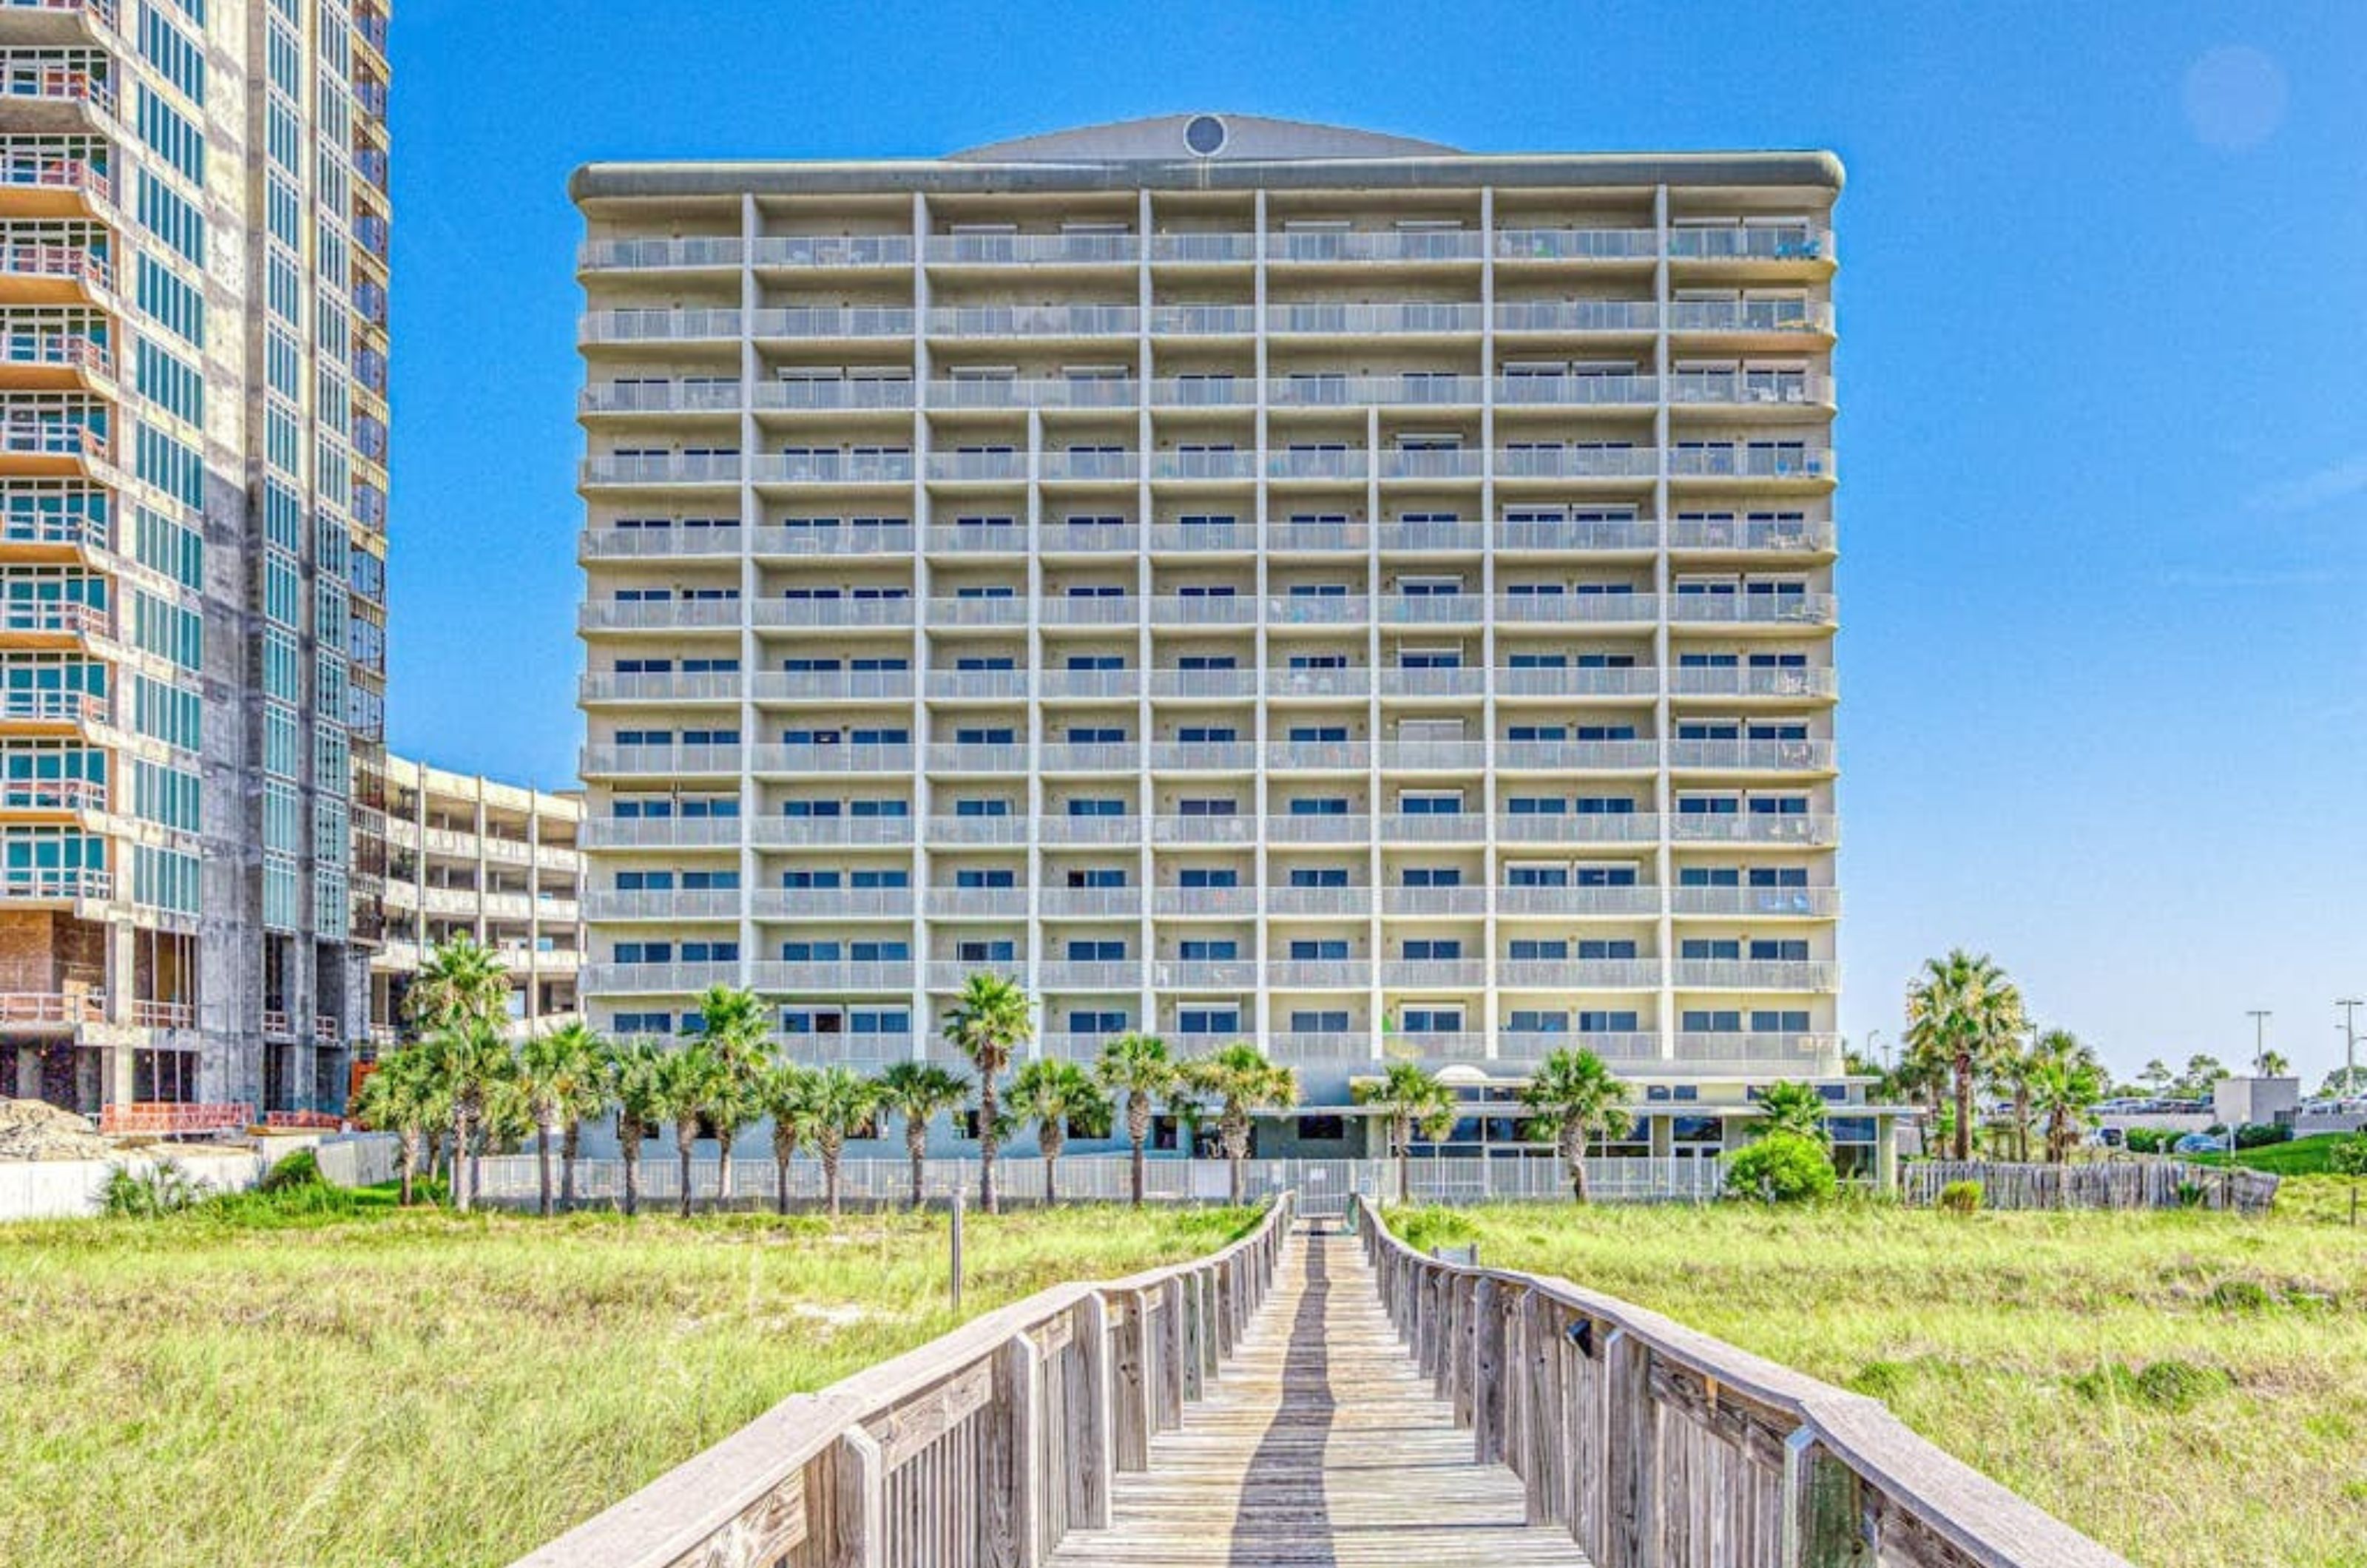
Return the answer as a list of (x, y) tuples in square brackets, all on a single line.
[(1487, 1371), (1629, 1451), (1133, 1398), (1824, 1513), (859, 1498), (1014, 1509), (1094, 1449)]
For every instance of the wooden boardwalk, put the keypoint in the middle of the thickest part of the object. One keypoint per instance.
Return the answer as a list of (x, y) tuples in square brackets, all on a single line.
[(1321, 1446)]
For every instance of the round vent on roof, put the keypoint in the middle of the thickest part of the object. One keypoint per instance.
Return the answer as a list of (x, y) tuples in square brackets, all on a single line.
[(1205, 135)]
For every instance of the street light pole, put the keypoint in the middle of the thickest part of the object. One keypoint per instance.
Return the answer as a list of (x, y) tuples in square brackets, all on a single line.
[(2259, 1017), (2349, 1006)]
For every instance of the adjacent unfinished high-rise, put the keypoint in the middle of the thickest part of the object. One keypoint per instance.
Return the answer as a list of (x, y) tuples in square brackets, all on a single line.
[(194, 231), (1243, 579)]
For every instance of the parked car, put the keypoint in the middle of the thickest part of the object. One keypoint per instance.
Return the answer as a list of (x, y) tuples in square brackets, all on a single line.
[(2200, 1144)]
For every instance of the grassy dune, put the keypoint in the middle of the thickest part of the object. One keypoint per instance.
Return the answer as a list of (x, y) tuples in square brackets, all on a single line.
[(2022, 1343), (419, 1389)]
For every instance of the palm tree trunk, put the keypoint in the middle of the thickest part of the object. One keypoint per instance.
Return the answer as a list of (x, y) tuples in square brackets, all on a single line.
[(916, 1149), (460, 1172), (409, 1141), (1137, 1132), (682, 1147), (781, 1183), (569, 1143), (630, 1151), (722, 1168), (1402, 1136), (1050, 1191), (1964, 1105), (542, 1168), (989, 1105), (830, 1178)]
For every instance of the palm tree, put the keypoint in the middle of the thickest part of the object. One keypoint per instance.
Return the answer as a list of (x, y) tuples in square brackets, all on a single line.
[(1409, 1099), (2065, 1080), (471, 1059), (1578, 1100), (841, 1104), (1963, 1011), (732, 1024), (689, 1081), (460, 981), (559, 1073), (633, 1073), (1793, 1108), (1137, 1068), (2157, 1076), (403, 1095), (1052, 1093), (1243, 1082), (787, 1096), (2012, 1069), (989, 1022), (919, 1091), (2273, 1064)]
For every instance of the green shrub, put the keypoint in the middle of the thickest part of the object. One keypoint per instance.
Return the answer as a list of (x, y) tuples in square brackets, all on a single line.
[(163, 1188), (301, 1168), (2170, 1384), (2148, 1140), (2261, 1135), (1781, 1167), (1961, 1197), (2190, 1195), (2349, 1156)]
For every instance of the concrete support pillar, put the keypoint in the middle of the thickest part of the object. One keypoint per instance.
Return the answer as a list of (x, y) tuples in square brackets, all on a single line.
[(1664, 1136), (1886, 1154)]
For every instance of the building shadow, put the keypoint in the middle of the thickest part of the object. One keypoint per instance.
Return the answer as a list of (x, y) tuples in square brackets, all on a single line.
[(1284, 1517)]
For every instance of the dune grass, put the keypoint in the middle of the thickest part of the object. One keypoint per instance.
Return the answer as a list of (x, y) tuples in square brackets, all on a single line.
[(2187, 1388), (244, 1386)]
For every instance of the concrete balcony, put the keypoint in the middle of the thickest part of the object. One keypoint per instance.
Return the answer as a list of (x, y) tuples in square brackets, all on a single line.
[(661, 544), (781, 832), (973, 322), (1005, 612), (660, 762), (1012, 392), (664, 468), (662, 905), (977, 903), (1051, 830), (1317, 756), (1639, 536), (1624, 318), (599, 327), (983, 759), (1516, 245), (977, 685), (1771, 903), (1751, 756), (978, 468), (1608, 462), (1433, 900), (978, 541), (828, 615), (610, 687), (44, 447), (832, 760), (1576, 756), (1088, 538), (1293, 1045), (1762, 1055), (660, 615), (808, 544), (1090, 903), (50, 884), (1214, 467), (1586, 828), (1088, 468), (1738, 681), (1750, 388), (1743, 537), (831, 468), (1755, 975), (35, 274), (37, 185), (1752, 609), (695, 254), (1316, 538), (1460, 682), (795, 394), (1579, 681), (75, 709), (1594, 609), (1322, 464), (1433, 1045), (1318, 974), (1515, 901), (832, 251), (1630, 1050), (1430, 463), (662, 832), (1750, 318), (1089, 684), (1355, 902), (1204, 320), (655, 979), (1433, 539), (56, 617), (1319, 610), (1357, 321), (1433, 756), (1578, 391), (1201, 540), (823, 978), (1580, 974), (806, 323), (1433, 974), (832, 685), (831, 903), (1194, 610), (1202, 757), (1209, 391), (1126, 975), (621, 397), (1315, 247), (1434, 828), (1088, 758), (1032, 250), (1766, 464), (1319, 829), (1203, 829), (1095, 610), (1204, 974), (1431, 609), (1203, 249), (1189, 902), (1319, 685), (1422, 389)]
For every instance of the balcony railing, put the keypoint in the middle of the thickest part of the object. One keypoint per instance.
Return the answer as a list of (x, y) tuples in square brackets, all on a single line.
[(659, 614), (1335, 245), (831, 759), (1124, 975), (52, 707), (58, 617), (1578, 391), (1346, 827), (1319, 756), (832, 685), (696, 252), (1754, 975), (977, 903), (1022, 250), (977, 685), (1204, 320), (1526, 900), (978, 758), (1752, 609), (1011, 392), (780, 832), (1090, 903), (1100, 758), (1356, 392), (1623, 316), (1735, 681), (1318, 974), (1008, 610), (1433, 1044), (1184, 902), (1433, 682), (1433, 900), (1433, 827), (833, 250), (1360, 321), (1204, 974), (43, 884), (1810, 1056), (1756, 242), (655, 979), (1751, 756), (26, 259), (1813, 903), (1433, 755), (1580, 974), (1577, 244), (1202, 248), (661, 762), (832, 321), (831, 467), (1726, 461), (663, 397), (1755, 828), (1035, 320), (669, 904), (1203, 391), (1576, 756), (662, 467), (1354, 901), (829, 614), (1577, 463), (33, 170), (662, 832), (657, 326), (780, 975), (833, 903), (1203, 829), (1207, 466), (1578, 680), (1580, 827), (1203, 610)]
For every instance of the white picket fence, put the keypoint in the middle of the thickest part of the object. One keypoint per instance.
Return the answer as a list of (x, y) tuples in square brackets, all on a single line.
[(2104, 1184), (1323, 1185)]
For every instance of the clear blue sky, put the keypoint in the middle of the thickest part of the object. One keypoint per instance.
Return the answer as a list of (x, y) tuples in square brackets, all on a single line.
[(2104, 344)]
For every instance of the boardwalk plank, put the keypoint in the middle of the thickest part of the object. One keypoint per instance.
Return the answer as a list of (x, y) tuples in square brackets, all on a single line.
[(1322, 1446)]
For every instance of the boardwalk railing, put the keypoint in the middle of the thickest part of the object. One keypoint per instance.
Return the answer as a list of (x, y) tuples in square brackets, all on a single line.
[(984, 1447), (1659, 1446), (1323, 1186), (2107, 1184)]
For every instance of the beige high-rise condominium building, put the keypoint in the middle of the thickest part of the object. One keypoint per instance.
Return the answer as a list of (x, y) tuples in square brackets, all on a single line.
[(194, 231), (1242, 578)]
